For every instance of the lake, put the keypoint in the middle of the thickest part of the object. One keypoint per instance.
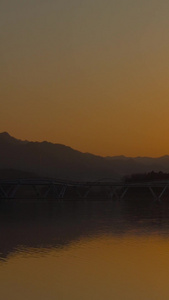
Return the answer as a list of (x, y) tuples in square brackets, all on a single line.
[(75, 250)]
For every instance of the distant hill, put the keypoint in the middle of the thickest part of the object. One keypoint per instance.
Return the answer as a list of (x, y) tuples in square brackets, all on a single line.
[(55, 160), (13, 174)]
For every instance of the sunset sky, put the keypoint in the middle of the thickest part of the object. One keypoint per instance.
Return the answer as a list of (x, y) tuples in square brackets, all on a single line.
[(93, 74)]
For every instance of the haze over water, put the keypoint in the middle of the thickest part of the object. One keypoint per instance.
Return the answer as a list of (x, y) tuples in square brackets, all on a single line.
[(84, 250)]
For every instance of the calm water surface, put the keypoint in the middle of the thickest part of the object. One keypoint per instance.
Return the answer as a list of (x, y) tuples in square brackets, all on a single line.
[(84, 250)]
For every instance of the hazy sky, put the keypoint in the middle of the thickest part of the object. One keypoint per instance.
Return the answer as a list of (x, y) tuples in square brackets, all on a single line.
[(90, 74)]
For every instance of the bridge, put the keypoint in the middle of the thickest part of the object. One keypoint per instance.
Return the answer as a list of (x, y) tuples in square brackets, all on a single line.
[(62, 189)]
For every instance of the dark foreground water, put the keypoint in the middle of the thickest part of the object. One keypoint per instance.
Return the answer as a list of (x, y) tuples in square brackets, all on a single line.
[(84, 250)]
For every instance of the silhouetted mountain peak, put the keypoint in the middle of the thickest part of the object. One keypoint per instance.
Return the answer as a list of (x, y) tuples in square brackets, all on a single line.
[(5, 137)]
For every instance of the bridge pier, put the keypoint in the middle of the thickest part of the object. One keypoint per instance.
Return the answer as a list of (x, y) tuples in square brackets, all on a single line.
[(164, 189), (113, 192), (124, 193), (3, 192), (155, 196), (83, 193), (62, 191), (153, 193)]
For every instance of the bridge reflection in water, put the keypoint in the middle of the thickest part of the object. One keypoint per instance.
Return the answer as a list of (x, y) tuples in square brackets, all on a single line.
[(60, 189)]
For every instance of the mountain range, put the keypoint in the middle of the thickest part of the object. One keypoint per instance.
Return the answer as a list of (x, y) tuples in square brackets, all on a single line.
[(44, 159)]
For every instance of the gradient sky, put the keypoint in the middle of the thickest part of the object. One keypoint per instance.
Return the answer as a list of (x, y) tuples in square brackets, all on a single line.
[(93, 75)]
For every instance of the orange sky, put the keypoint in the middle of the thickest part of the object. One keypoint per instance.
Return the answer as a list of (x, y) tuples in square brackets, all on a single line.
[(89, 74)]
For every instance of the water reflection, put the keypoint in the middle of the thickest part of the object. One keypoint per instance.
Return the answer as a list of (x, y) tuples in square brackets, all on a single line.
[(84, 250), (40, 226)]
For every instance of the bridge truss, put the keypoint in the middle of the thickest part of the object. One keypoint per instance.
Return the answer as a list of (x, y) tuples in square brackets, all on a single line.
[(59, 189)]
